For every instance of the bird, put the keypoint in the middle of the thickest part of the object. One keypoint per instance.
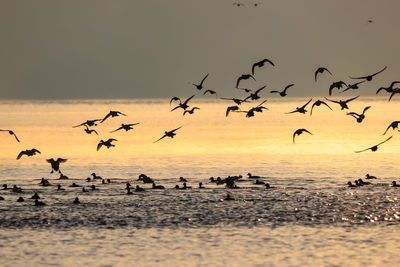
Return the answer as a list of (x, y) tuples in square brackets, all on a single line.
[(211, 92), (258, 108), (107, 143), (321, 70), (200, 86), (353, 86), (318, 103), (283, 93), (113, 114), (244, 77), (343, 103), (231, 108), (236, 100), (389, 89), (28, 152), (337, 85), (369, 77), (374, 148), (88, 123), (301, 109), (395, 91), (254, 95), (89, 131), (260, 64), (175, 98), (393, 125), (168, 134), (55, 164), (183, 105), (359, 117), (190, 111), (126, 127), (11, 133), (299, 132)]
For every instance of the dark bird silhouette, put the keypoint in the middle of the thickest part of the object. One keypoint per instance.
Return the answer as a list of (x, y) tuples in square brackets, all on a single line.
[(55, 164), (299, 132), (353, 86), (245, 89), (261, 64), (343, 103), (244, 77), (107, 143), (374, 148), (89, 131), (200, 85), (28, 152), (11, 133), (338, 85), (254, 95), (231, 108), (175, 98), (211, 92), (168, 134), (395, 91), (393, 125), (283, 93), (301, 109), (359, 117), (236, 100), (369, 77), (89, 123), (112, 114), (258, 108), (318, 103), (389, 89), (321, 70), (183, 105), (190, 111), (126, 127)]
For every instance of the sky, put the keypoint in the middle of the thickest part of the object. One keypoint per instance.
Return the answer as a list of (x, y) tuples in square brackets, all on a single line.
[(52, 49)]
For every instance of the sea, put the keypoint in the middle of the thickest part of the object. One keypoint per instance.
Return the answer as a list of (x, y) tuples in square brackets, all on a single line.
[(309, 216)]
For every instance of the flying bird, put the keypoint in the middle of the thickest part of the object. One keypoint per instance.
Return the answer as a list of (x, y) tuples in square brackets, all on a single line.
[(231, 108), (395, 91), (89, 131), (168, 134), (301, 109), (283, 93), (211, 92), (338, 85), (374, 148), (175, 98), (107, 143), (261, 64), (393, 125), (258, 108), (343, 103), (11, 133), (319, 103), (126, 127), (190, 111), (244, 77), (112, 114), (28, 152), (389, 89), (55, 164), (88, 123), (200, 86), (353, 86), (369, 77), (183, 105), (254, 95), (235, 100), (359, 117), (299, 132), (321, 70)]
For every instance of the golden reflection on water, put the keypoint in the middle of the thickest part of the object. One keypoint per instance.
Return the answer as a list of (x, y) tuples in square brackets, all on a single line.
[(47, 126)]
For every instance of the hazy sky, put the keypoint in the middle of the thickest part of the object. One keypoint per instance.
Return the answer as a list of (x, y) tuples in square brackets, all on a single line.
[(154, 48)]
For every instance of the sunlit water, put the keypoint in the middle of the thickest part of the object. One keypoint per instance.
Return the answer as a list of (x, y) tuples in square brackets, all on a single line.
[(310, 217)]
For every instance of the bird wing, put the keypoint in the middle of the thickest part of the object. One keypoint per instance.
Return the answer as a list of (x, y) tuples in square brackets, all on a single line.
[(262, 103), (99, 146), (362, 150), (175, 108), (121, 113), (50, 160), (175, 129), (382, 88), (111, 139), (95, 132), (160, 138), (366, 108), (322, 102), (305, 130), (291, 112), (294, 135), (120, 128), (351, 99), (21, 154), (16, 137), (84, 123), (256, 92), (274, 91), (306, 103), (393, 83), (269, 61), (251, 76), (201, 83), (187, 100), (253, 67), (61, 160), (333, 101), (384, 141), (35, 151), (394, 92), (108, 115), (288, 86), (379, 71), (238, 81)]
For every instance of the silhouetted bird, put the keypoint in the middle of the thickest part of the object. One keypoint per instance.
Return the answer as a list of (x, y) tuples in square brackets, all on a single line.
[(126, 127), (301, 109), (283, 93), (258, 108), (389, 89), (200, 86), (359, 117), (343, 103), (318, 103), (374, 148), (299, 132), (395, 91), (338, 85), (321, 70), (235, 100), (55, 164), (89, 131), (369, 77), (28, 152), (261, 64), (183, 105), (353, 86), (154, 186), (112, 114), (190, 111), (88, 123), (393, 125), (211, 92), (244, 77), (107, 143), (168, 134), (175, 98), (11, 133), (254, 95), (231, 108)]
